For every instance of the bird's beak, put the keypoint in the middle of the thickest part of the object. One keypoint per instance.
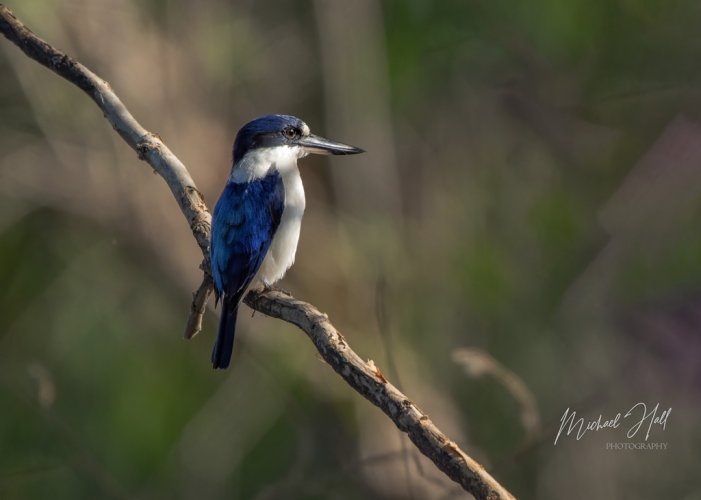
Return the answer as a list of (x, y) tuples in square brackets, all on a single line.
[(318, 145)]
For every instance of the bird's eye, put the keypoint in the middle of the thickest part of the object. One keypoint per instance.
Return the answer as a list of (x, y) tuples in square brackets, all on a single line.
[(290, 132)]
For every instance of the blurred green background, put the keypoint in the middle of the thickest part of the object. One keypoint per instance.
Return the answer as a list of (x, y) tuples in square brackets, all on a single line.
[(531, 193)]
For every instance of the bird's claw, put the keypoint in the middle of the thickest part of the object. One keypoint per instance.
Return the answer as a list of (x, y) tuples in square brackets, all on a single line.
[(270, 288)]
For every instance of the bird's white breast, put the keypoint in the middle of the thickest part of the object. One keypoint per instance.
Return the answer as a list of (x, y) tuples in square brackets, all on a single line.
[(281, 255), (256, 164)]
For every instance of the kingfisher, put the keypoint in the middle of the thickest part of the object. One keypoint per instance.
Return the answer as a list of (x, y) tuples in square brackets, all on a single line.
[(256, 221)]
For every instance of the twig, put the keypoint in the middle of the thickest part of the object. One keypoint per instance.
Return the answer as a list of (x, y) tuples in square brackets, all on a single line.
[(199, 302), (364, 377), (478, 363)]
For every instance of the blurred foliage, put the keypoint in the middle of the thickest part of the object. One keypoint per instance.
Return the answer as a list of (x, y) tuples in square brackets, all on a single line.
[(530, 190)]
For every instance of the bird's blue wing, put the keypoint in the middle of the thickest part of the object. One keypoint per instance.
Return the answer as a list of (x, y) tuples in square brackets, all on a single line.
[(243, 226), (244, 223)]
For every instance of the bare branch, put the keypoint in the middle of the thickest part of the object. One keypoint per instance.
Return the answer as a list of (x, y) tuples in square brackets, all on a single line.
[(199, 304), (367, 379), (364, 377), (148, 145)]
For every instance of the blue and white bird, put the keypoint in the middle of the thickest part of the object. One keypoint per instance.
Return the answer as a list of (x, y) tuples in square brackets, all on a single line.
[(256, 222)]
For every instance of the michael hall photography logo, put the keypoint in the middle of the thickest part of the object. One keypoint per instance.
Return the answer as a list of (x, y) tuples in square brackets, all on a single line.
[(638, 423)]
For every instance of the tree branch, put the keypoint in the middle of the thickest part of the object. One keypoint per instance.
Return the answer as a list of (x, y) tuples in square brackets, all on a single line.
[(148, 146), (364, 377)]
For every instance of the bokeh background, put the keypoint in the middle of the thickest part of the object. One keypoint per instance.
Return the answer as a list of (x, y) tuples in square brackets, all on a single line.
[(521, 237)]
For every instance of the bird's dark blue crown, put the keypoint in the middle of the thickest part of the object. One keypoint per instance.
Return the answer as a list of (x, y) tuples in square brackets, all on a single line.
[(265, 131)]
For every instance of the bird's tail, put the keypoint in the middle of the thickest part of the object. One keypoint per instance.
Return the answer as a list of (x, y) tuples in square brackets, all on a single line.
[(221, 355)]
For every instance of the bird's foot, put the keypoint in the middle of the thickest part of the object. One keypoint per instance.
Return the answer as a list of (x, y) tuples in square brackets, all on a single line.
[(271, 288)]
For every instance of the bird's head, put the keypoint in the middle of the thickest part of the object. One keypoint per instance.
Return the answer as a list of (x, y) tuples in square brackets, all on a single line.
[(287, 131)]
